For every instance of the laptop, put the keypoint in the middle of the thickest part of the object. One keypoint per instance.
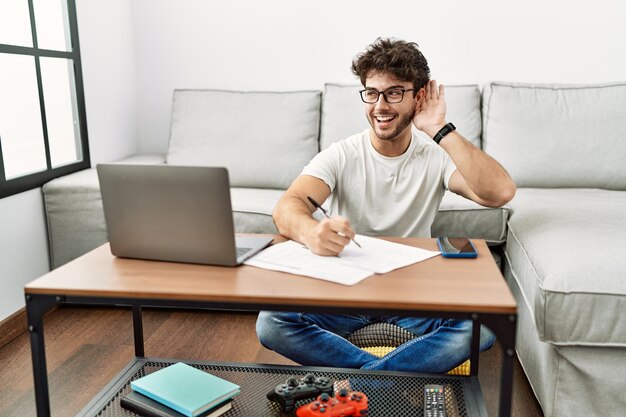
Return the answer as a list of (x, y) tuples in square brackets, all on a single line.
[(173, 213)]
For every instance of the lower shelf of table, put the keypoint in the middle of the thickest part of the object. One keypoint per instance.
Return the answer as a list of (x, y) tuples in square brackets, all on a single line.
[(393, 394)]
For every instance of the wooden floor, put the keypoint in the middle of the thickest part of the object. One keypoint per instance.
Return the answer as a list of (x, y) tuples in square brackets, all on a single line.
[(88, 346)]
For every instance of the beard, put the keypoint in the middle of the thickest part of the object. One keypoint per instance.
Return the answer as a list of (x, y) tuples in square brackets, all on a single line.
[(402, 122)]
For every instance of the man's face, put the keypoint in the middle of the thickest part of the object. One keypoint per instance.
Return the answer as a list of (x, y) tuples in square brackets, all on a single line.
[(389, 120)]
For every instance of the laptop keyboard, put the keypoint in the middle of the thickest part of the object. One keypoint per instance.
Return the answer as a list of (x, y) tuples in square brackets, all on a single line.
[(242, 251)]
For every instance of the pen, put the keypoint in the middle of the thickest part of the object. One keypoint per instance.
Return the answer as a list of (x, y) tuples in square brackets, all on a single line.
[(317, 206)]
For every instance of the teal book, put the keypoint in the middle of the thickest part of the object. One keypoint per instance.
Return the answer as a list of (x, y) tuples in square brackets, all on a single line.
[(185, 389)]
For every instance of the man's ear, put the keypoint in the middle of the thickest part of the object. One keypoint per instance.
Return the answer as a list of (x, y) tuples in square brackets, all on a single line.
[(419, 97), (421, 93)]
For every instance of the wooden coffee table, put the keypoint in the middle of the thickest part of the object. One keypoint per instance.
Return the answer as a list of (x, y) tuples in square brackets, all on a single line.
[(470, 289)]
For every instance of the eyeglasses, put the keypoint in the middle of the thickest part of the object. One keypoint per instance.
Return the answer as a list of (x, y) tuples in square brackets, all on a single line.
[(392, 95)]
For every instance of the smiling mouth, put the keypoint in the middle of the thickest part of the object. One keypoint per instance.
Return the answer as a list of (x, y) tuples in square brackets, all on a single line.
[(384, 120)]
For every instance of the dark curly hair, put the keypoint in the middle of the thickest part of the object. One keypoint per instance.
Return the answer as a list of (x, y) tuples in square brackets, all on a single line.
[(402, 60)]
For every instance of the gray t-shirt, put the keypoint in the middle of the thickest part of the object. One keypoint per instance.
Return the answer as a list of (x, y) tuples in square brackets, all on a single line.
[(383, 196)]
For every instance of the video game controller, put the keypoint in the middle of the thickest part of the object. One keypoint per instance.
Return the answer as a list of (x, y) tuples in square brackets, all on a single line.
[(294, 389), (343, 404)]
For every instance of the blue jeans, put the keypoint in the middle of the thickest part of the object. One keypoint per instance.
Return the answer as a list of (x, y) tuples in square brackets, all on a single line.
[(319, 340)]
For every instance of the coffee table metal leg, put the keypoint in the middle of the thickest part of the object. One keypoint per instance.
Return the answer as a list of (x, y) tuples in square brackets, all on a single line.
[(138, 330), (475, 348), (504, 327), (36, 307), (506, 383), (507, 339)]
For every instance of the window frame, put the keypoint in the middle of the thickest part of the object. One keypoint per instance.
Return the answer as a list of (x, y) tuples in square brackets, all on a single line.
[(30, 181)]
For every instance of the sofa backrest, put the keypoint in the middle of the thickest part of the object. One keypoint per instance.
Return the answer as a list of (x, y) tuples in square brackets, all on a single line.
[(557, 135), (263, 138), (343, 113)]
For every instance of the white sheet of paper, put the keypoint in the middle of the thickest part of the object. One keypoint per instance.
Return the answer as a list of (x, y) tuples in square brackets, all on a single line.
[(353, 265)]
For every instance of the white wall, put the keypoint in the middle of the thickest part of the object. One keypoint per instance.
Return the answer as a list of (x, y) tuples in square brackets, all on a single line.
[(291, 45), (111, 99), (107, 52), (23, 247)]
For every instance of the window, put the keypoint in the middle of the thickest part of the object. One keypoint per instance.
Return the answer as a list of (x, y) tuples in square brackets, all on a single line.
[(43, 131)]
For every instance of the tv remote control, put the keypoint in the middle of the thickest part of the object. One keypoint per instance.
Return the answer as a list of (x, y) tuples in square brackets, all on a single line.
[(434, 401)]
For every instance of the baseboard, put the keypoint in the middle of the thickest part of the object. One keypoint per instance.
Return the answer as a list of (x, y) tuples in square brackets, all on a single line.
[(13, 326)]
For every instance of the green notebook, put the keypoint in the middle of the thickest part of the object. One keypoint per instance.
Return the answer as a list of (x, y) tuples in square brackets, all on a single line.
[(185, 389)]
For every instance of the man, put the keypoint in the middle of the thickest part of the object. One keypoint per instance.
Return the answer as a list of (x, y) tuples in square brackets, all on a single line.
[(385, 181)]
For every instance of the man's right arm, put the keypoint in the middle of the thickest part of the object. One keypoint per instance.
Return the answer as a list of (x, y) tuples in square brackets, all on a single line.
[(293, 218)]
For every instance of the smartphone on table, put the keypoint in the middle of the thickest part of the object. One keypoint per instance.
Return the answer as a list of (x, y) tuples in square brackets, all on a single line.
[(456, 247)]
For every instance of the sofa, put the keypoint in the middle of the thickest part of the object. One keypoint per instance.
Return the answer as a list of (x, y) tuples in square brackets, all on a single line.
[(559, 241)]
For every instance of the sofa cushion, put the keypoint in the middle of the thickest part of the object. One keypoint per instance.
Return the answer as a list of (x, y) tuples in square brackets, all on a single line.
[(343, 113), (74, 211), (252, 209), (557, 135), (263, 138), (563, 249), (74, 216), (459, 216), (567, 379)]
